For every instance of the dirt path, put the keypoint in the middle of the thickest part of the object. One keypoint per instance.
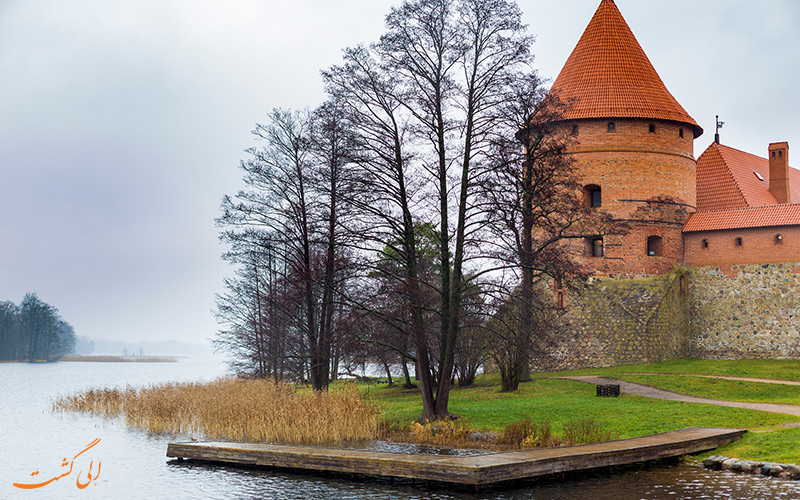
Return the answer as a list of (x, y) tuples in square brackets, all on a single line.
[(652, 392)]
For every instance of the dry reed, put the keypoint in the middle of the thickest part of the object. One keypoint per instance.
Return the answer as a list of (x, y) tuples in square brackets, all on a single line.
[(236, 410)]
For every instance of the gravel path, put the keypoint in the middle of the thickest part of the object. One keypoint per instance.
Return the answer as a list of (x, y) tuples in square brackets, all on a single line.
[(652, 392), (740, 379)]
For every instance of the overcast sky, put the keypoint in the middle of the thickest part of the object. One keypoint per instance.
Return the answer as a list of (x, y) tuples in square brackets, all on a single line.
[(122, 124)]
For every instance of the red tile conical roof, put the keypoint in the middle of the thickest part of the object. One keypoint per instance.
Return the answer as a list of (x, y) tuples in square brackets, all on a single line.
[(608, 75)]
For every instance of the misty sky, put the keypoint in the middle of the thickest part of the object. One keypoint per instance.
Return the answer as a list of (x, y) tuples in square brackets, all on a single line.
[(122, 124)]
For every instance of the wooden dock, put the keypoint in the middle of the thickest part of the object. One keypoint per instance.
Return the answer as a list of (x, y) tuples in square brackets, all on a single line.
[(469, 470)]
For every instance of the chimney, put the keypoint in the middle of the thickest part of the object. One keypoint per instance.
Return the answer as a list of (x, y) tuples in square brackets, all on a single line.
[(779, 171)]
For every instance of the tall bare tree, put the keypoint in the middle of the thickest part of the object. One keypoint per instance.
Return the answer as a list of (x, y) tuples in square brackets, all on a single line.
[(281, 202), (333, 144), (453, 60), (386, 193), (535, 209)]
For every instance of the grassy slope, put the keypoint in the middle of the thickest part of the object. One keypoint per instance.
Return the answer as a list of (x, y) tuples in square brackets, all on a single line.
[(484, 407), (753, 368), (782, 445), (729, 390)]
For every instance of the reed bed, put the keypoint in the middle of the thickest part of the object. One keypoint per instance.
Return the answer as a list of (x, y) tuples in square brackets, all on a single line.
[(231, 409)]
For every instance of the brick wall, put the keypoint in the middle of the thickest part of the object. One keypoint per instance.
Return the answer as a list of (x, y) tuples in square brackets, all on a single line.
[(745, 311), (759, 246), (647, 179), (627, 254), (633, 164)]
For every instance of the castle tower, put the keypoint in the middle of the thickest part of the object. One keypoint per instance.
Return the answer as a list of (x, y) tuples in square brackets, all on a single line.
[(633, 145)]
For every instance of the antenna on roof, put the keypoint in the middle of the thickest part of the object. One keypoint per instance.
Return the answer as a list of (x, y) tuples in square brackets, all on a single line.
[(719, 126)]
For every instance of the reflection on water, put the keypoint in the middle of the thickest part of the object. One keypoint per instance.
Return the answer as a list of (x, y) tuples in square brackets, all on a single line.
[(668, 482), (418, 448), (134, 464)]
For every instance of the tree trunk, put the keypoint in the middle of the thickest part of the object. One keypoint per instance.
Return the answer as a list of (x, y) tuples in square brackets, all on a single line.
[(407, 375), (388, 373)]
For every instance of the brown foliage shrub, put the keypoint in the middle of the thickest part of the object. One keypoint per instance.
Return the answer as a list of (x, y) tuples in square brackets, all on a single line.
[(528, 434)]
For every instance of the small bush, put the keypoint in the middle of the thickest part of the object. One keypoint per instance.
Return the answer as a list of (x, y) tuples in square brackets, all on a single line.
[(440, 433), (527, 434), (517, 432), (585, 431)]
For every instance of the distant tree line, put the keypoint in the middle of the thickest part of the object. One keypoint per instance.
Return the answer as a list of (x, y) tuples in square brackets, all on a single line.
[(414, 218), (33, 331)]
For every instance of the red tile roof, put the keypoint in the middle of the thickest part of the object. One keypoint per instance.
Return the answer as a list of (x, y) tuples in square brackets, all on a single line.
[(716, 186), (608, 75), (767, 216), (726, 179)]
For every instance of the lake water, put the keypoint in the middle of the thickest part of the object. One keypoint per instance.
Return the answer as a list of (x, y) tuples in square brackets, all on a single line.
[(133, 464)]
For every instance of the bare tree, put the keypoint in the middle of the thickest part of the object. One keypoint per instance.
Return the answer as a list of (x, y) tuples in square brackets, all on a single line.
[(333, 145), (453, 59), (422, 102), (535, 209), (386, 191), (255, 325), (281, 201)]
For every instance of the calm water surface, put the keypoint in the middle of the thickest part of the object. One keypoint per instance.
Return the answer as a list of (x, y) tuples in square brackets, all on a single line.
[(133, 464)]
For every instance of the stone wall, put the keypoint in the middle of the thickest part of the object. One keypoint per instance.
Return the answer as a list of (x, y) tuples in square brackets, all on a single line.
[(619, 321), (745, 311)]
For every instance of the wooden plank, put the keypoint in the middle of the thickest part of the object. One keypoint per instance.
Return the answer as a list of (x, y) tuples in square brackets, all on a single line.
[(474, 469)]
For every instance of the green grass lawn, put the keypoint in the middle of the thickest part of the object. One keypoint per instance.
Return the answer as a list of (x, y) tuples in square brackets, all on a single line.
[(779, 446), (729, 390), (752, 368), (483, 407)]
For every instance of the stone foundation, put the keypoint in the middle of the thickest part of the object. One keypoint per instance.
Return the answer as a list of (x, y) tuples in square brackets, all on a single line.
[(745, 311), (619, 321), (710, 312)]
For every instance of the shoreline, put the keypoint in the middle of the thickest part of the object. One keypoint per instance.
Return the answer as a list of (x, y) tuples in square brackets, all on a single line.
[(77, 358)]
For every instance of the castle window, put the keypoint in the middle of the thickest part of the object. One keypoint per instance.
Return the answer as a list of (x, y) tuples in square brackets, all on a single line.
[(652, 128), (773, 154), (574, 130), (683, 286), (739, 241), (780, 154), (680, 133), (611, 126), (704, 243), (654, 246), (561, 300), (595, 247), (593, 196), (778, 239)]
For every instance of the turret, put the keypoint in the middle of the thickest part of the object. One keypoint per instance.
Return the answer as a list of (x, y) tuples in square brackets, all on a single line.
[(633, 145)]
